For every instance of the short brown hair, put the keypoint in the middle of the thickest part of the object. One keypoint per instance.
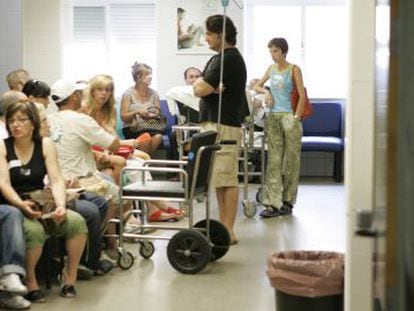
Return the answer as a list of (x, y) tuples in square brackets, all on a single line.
[(281, 43), (30, 110)]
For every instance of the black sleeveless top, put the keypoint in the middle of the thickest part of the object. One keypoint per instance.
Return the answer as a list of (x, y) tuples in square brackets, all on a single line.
[(30, 176)]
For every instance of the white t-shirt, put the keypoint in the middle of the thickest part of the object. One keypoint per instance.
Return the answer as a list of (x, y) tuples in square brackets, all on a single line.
[(184, 95), (74, 134), (3, 131)]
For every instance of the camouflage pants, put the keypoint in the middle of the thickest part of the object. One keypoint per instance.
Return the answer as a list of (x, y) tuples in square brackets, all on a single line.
[(284, 134)]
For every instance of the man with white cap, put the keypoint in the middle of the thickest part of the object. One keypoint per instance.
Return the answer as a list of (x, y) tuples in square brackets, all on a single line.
[(74, 134)]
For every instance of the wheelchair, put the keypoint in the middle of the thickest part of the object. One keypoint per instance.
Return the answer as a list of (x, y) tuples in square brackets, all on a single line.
[(196, 244)]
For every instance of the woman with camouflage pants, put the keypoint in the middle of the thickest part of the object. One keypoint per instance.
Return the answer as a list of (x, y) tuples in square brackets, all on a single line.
[(284, 132)]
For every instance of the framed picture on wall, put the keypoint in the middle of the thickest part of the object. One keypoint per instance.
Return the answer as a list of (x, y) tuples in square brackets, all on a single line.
[(191, 16)]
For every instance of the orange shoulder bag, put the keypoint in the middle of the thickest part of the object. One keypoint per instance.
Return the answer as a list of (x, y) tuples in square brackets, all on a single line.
[(294, 97)]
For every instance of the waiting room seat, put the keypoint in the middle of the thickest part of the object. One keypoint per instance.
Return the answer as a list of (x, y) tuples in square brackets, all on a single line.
[(323, 132), (171, 120)]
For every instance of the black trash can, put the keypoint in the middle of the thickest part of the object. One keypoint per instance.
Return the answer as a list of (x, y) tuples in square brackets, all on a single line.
[(307, 280)]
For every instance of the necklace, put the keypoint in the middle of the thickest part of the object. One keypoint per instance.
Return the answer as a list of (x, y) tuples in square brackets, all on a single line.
[(142, 94)]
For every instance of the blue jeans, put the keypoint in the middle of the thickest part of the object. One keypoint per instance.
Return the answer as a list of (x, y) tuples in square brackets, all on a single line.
[(93, 209), (12, 245)]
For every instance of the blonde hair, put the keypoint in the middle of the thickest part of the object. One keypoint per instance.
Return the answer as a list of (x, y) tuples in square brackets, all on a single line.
[(108, 109)]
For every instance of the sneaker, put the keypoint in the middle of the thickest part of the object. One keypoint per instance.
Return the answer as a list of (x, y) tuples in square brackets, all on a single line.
[(84, 273), (67, 291), (104, 267), (270, 212), (35, 296), (11, 283), (14, 302)]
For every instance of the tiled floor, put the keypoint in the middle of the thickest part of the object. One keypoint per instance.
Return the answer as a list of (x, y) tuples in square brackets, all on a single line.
[(237, 281)]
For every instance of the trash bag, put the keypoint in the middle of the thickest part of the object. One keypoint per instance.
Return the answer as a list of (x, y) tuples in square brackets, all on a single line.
[(307, 273)]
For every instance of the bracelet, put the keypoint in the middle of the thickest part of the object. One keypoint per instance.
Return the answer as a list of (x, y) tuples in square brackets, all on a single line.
[(296, 117)]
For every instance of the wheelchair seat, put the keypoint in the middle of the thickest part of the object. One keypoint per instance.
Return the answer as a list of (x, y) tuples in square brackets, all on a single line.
[(196, 174)]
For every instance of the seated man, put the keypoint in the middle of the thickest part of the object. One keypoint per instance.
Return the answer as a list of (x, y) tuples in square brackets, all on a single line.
[(183, 103), (93, 208), (74, 134), (12, 259)]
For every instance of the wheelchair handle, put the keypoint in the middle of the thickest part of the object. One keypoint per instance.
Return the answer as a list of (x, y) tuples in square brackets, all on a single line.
[(227, 142)]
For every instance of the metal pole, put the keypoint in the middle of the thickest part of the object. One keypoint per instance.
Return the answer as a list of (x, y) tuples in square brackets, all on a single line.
[(223, 41)]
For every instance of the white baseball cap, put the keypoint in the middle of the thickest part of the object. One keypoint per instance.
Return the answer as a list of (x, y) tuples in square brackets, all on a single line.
[(62, 89)]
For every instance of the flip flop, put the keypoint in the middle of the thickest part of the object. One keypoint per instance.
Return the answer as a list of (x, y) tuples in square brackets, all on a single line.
[(161, 216), (178, 212)]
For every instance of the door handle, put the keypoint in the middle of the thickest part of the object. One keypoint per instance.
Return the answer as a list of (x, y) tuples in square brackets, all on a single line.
[(364, 224)]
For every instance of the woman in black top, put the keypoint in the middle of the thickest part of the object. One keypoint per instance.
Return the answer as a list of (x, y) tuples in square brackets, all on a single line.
[(233, 110), (25, 160)]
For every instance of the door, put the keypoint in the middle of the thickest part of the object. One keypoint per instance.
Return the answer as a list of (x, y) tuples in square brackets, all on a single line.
[(393, 225)]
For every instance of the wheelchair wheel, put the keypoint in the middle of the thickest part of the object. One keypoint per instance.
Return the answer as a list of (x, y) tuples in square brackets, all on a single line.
[(125, 260), (188, 251), (146, 249), (249, 209), (219, 237)]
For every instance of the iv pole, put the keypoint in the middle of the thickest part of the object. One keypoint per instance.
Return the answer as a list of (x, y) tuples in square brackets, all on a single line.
[(225, 4)]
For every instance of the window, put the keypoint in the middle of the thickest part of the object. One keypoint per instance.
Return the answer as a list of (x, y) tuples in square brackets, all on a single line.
[(317, 33), (108, 36)]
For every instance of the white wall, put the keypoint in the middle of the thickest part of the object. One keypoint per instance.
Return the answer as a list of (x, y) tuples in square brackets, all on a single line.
[(171, 65), (43, 38), (11, 52), (359, 153)]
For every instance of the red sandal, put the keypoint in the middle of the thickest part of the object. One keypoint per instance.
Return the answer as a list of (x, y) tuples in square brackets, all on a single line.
[(161, 216), (176, 211)]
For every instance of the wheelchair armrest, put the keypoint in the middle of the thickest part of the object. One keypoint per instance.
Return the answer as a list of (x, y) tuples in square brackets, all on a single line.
[(227, 142), (144, 169), (213, 147), (184, 127), (165, 162)]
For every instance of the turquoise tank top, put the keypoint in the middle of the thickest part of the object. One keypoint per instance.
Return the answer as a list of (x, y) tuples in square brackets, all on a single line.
[(280, 87)]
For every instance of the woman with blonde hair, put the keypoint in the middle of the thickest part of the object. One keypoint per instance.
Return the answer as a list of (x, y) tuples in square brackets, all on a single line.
[(100, 105)]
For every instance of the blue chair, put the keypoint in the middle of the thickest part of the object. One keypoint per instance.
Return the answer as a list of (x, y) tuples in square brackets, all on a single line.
[(323, 132), (171, 120), (118, 120)]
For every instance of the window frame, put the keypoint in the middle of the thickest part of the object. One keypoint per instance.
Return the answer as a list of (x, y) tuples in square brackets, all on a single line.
[(249, 31)]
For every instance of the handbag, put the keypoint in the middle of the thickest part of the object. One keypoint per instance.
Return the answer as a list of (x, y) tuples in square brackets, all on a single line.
[(294, 98), (156, 122), (94, 183), (45, 202)]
